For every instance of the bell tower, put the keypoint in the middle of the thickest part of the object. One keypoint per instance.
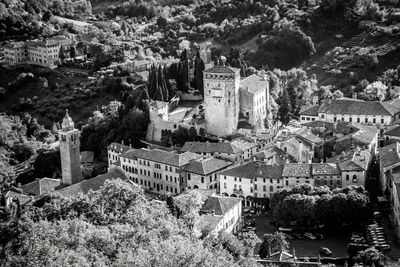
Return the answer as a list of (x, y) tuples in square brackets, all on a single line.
[(70, 152)]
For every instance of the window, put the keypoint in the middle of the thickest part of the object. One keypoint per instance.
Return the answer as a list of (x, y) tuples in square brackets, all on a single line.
[(347, 177), (166, 188), (350, 119), (255, 187), (373, 120), (334, 119), (355, 180), (202, 179), (235, 179), (264, 188), (224, 177), (176, 191), (271, 181), (322, 116), (240, 179), (287, 183), (382, 121), (189, 176), (358, 120), (366, 120), (175, 179), (225, 185), (235, 187), (271, 188), (303, 118)]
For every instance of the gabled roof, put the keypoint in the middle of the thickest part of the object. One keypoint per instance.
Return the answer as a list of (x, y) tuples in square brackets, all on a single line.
[(206, 166), (236, 146), (296, 170), (23, 199), (393, 105), (393, 131), (365, 134), (281, 256), (339, 126), (308, 136), (355, 160), (208, 221), (94, 184), (254, 83), (254, 169), (269, 152), (311, 110), (353, 107), (222, 69), (219, 205), (117, 147), (161, 156), (40, 186), (389, 155), (325, 169)]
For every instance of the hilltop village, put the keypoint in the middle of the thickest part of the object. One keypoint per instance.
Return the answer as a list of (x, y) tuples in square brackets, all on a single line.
[(200, 133)]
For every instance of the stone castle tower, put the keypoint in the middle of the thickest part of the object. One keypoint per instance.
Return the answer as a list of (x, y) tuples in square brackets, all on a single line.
[(69, 150), (221, 100)]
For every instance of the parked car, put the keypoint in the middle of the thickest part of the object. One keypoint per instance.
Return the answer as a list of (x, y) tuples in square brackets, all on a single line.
[(310, 236), (325, 252)]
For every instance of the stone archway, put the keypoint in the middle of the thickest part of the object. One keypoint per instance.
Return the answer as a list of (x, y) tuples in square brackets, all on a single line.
[(249, 201), (195, 187), (233, 195)]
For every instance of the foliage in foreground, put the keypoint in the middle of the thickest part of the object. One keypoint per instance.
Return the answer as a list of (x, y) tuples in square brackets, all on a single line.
[(115, 226)]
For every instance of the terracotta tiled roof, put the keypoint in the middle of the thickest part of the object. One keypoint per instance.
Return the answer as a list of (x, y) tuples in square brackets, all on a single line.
[(296, 170), (365, 134), (161, 156), (393, 131), (325, 169), (120, 148), (254, 83), (389, 155), (355, 160), (234, 147), (206, 221), (23, 199), (94, 184), (353, 107), (40, 186), (269, 152), (308, 136), (220, 205), (206, 166), (253, 169), (309, 110), (222, 69)]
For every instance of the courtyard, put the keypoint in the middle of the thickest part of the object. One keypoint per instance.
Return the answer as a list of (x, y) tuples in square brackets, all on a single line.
[(305, 247), (335, 241)]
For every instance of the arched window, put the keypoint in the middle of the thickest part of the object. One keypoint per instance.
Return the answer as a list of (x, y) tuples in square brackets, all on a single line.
[(347, 177)]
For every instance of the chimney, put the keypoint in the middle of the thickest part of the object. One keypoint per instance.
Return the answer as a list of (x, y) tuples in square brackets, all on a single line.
[(122, 142), (294, 253), (354, 95)]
